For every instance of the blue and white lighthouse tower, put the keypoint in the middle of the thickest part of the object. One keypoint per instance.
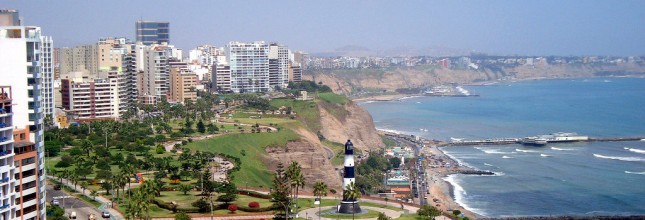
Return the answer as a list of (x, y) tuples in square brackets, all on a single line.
[(349, 206)]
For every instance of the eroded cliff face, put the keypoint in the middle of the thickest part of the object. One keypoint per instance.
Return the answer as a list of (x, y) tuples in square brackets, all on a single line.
[(310, 154), (349, 121), (345, 83)]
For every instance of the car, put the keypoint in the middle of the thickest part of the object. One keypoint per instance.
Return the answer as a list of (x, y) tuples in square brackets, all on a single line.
[(105, 214), (57, 187), (55, 202)]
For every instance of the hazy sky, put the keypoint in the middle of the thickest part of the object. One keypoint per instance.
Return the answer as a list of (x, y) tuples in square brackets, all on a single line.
[(539, 27)]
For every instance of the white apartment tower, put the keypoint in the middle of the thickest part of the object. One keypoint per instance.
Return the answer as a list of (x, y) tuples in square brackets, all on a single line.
[(278, 66), (47, 71), (156, 73), (20, 68), (249, 66)]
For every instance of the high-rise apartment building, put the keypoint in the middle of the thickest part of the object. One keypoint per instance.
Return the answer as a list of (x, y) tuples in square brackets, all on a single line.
[(7, 168), (249, 66), (47, 71), (156, 81), (22, 182), (278, 66), (221, 78), (152, 32), (79, 59), (182, 85)]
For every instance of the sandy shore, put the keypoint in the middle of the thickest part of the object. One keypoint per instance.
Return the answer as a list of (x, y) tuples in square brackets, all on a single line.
[(383, 98), (440, 188)]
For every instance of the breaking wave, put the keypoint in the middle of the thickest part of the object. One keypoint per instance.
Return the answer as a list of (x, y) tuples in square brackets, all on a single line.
[(639, 173), (555, 148), (619, 158), (526, 151), (635, 150)]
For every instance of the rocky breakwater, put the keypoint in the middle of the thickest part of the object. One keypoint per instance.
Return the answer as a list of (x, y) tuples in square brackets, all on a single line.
[(475, 172)]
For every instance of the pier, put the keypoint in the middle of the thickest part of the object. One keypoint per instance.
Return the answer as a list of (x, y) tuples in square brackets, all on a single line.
[(504, 141)]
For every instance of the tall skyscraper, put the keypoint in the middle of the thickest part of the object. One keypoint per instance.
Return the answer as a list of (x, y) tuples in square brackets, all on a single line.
[(249, 66), (22, 172), (153, 32)]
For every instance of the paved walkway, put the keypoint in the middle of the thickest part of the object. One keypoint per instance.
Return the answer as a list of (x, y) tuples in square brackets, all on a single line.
[(312, 213), (114, 213), (226, 217)]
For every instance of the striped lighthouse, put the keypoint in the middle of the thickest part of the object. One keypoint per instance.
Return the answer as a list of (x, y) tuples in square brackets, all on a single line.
[(349, 176), (349, 206)]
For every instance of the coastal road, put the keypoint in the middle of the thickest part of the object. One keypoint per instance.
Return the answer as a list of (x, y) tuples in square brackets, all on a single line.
[(71, 204)]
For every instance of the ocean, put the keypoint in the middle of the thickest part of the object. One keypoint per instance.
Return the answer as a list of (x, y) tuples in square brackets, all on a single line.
[(590, 178)]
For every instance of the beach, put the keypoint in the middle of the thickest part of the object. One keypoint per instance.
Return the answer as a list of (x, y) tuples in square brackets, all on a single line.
[(439, 187)]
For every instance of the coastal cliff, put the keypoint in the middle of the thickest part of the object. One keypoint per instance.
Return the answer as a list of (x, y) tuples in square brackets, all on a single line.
[(349, 121), (334, 119), (351, 81)]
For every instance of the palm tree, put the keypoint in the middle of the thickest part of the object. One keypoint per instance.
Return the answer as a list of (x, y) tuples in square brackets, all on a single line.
[(352, 193), (93, 193), (87, 146), (84, 186), (296, 179), (320, 190)]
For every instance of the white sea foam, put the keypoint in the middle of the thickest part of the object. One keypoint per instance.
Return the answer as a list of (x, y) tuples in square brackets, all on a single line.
[(544, 155), (620, 158), (487, 164), (639, 173), (526, 151), (389, 130), (555, 148), (492, 151), (460, 194), (635, 150), (506, 157)]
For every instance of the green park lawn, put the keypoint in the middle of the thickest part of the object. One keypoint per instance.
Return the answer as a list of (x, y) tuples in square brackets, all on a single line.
[(333, 98), (306, 111), (253, 171)]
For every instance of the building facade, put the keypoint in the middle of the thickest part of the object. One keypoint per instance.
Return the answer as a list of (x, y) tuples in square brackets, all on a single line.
[(152, 32), (183, 83), (278, 66), (91, 99), (47, 71), (249, 66), (20, 68)]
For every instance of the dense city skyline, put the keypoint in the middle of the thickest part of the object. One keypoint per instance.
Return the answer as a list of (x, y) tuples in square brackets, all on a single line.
[(497, 27)]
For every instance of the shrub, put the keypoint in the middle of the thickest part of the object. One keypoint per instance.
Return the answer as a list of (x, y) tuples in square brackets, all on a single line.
[(232, 208), (254, 205)]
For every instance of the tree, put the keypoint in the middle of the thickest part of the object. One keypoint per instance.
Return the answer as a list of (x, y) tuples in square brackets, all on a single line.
[(185, 188), (428, 212), (93, 193), (296, 179), (395, 162), (228, 192), (456, 212), (84, 185), (280, 192), (201, 127), (352, 192), (182, 216), (320, 190), (382, 216), (232, 208)]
